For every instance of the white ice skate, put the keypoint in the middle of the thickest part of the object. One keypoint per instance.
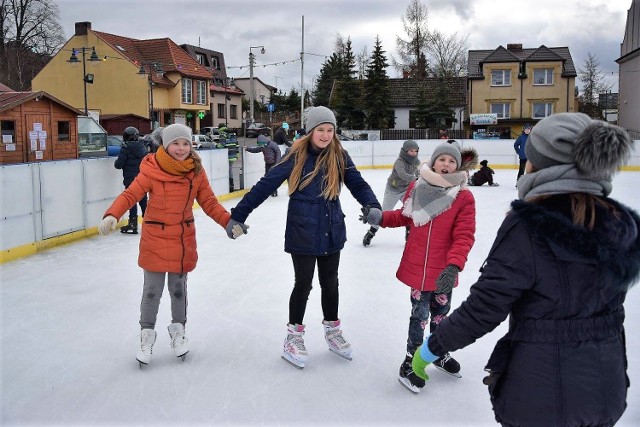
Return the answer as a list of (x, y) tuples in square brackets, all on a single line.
[(178, 340), (147, 339), (294, 350), (335, 340)]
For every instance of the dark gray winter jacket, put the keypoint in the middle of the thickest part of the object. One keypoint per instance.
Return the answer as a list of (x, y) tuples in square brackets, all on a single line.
[(562, 362), (131, 154)]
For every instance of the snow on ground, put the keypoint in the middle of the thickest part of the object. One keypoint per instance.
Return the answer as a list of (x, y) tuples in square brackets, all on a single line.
[(70, 324)]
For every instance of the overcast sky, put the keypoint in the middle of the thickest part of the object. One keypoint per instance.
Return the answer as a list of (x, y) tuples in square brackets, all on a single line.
[(595, 26)]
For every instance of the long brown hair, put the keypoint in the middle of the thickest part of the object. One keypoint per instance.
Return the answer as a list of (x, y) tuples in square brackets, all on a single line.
[(583, 208), (331, 162), (197, 161)]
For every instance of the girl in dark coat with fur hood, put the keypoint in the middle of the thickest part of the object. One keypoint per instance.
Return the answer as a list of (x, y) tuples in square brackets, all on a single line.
[(560, 267)]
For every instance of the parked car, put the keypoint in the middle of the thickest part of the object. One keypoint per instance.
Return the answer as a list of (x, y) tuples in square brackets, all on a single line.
[(201, 141), (255, 129), (114, 143), (211, 132)]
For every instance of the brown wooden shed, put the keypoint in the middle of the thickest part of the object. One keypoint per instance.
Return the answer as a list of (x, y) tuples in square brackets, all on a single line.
[(35, 127), (115, 124)]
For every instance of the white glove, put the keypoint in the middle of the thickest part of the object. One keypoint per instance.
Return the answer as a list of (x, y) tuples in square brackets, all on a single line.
[(107, 225)]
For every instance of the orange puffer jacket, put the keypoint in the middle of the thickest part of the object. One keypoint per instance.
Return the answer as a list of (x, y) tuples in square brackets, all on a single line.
[(168, 242)]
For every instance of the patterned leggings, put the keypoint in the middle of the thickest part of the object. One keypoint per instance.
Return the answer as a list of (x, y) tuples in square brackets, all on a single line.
[(423, 304)]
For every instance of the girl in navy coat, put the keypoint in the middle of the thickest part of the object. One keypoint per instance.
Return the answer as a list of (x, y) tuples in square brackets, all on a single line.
[(316, 167), (560, 268)]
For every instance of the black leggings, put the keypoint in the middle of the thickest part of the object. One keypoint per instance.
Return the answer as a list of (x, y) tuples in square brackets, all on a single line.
[(304, 267)]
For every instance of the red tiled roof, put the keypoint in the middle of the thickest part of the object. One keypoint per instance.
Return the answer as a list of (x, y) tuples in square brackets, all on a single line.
[(164, 51), (5, 88), (231, 90)]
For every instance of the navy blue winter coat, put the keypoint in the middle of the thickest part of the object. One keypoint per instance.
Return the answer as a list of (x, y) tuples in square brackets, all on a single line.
[(563, 361), (519, 145), (131, 154), (315, 225)]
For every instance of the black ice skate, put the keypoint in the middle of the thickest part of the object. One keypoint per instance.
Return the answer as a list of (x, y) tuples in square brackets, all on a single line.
[(367, 237), (449, 365), (131, 227), (408, 378)]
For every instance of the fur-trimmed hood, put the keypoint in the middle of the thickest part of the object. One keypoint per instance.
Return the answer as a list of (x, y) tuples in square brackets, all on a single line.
[(614, 242)]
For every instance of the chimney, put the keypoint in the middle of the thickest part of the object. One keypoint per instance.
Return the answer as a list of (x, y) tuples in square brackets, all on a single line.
[(82, 28), (510, 46)]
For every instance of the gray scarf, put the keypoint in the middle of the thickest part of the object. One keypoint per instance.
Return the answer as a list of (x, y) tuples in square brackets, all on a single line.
[(432, 195), (561, 179)]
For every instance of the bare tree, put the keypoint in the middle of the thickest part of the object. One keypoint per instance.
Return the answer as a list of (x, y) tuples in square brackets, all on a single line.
[(31, 34), (448, 54), (594, 84), (413, 60), (362, 62)]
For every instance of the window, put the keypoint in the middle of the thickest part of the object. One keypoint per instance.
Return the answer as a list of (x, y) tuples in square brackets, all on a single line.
[(501, 78), (542, 109), (201, 92), (221, 111), (543, 76), (8, 127), (63, 131), (233, 111), (215, 63), (186, 91), (502, 109), (200, 58)]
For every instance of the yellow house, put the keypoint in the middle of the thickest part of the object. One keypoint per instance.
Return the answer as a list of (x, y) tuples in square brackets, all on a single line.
[(116, 76), (510, 87)]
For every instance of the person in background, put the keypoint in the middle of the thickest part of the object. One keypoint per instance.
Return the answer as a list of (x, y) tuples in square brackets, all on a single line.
[(174, 178), (299, 134), (153, 140), (484, 175), (440, 211), (405, 171), (280, 137), (316, 167), (270, 152), (560, 268), (443, 134), (131, 154), (520, 147)]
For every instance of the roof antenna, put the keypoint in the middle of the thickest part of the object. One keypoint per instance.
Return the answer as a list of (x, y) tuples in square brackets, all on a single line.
[(199, 41)]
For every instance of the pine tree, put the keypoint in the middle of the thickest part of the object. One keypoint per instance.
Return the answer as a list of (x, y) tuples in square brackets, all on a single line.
[(347, 98), (376, 89)]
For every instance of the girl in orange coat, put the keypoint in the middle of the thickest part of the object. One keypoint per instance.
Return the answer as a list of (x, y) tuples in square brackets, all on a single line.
[(173, 177)]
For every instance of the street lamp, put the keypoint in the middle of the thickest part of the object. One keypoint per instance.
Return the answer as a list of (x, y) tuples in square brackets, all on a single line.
[(157, 68), (86, 78), (251, 83)]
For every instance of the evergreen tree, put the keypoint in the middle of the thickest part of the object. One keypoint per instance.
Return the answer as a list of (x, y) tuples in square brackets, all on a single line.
[(376, 89), (594, 85), (439, 115), (347, 99)]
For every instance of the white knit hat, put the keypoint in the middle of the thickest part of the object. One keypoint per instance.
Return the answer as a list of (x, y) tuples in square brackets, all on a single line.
[(173, 132)]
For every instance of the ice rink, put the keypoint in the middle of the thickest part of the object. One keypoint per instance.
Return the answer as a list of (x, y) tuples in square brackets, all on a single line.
[(70, 331)]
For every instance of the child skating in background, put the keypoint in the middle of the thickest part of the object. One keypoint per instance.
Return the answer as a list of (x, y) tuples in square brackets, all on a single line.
[(559, 268), (270, 151), (484, 175), (316, 167), (440, 212), (405, 171), (174, 178)]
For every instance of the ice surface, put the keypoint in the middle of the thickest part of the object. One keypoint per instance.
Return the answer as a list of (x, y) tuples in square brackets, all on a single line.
[(70, 325)]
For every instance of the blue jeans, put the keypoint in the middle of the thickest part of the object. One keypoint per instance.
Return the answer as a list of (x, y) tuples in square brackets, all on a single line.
[(423, 304)]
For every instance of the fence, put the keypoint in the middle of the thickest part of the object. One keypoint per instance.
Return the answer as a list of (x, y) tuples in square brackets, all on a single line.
[(404, 134)]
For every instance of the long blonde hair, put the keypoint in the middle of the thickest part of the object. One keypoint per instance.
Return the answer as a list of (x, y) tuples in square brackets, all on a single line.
[(331, 161)]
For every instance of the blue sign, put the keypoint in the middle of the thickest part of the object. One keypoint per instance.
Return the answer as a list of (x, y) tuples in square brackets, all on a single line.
[(271, 107)]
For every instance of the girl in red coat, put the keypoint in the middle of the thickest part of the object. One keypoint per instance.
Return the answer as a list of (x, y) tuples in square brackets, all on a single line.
[(440, 211), (174, 178)]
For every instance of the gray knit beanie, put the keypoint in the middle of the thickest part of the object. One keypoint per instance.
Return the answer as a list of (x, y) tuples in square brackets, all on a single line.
[(317, 116), (452, 148), (597, 148), (410, 144), (173, 132)]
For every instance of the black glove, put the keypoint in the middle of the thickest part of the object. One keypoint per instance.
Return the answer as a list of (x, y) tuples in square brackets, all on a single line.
[(370, 215), (446, 280), (235, 229)]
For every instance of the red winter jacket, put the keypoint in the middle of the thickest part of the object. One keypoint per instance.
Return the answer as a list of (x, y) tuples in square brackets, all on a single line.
[(446, 239)]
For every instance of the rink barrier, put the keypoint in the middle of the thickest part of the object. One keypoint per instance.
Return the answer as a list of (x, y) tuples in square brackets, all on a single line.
[(49, 204)]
